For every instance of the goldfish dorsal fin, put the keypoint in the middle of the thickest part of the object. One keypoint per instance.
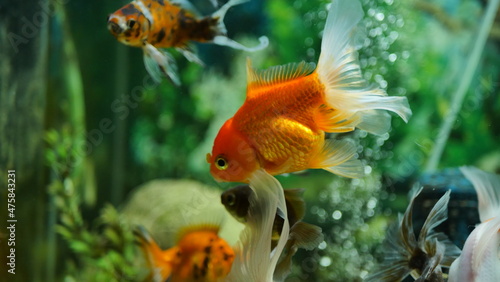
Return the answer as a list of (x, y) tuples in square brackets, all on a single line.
[(277, 74)]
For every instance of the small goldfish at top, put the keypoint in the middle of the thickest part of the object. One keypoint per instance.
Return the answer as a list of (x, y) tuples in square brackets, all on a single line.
[(281, 125), (200, 255), (153, 24)]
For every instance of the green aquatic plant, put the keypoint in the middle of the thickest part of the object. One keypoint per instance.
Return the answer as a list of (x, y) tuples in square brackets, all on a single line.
[(105, 251)]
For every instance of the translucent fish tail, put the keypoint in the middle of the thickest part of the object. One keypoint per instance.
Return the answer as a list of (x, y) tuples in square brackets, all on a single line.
[(254, 259), (302, 235), (223, 40), (154, 255), (487, 187), (356, 104)]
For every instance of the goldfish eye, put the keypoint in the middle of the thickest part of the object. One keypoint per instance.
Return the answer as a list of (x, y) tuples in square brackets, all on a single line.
[(131, 23), (231, 200), (221, 163)]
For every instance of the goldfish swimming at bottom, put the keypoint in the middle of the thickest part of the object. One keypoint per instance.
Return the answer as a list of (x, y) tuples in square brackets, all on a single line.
[(301, 235), (288, 109), (480, 258), (422, 258), (200, 255), (154, 24)]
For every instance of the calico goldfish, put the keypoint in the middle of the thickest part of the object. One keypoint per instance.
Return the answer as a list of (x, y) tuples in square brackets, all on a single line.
[(282, 123), (154, 24), (424, 258), (199, 255), (302, 235), (480, 258)]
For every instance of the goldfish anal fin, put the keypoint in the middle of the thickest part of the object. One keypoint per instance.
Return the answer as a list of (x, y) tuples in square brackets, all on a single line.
[(275, 75), (339, 157), (295, 203)]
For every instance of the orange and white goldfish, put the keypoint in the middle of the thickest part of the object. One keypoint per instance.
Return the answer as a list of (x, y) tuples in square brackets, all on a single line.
[(281, 125), (199, 255), (302, 235), (424, 258), (480, 258), (153, 24), (254, 259)]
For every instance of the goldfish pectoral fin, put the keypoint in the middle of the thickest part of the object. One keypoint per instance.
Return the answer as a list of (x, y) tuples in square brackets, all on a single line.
[(305, 235), (346, 90), (190, 55), (159, 64), (225, 41), (295, 199), (339, 157)]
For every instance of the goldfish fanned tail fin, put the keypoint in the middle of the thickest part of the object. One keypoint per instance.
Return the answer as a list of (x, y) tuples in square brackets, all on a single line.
[(277, 74), (345, 88), (223, 40), (159, 64), (451, 251), (437, 215), (157, 259), (339, 157), (221, 13)]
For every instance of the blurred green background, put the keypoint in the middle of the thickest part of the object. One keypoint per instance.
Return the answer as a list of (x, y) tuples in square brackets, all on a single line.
[(83, 125)]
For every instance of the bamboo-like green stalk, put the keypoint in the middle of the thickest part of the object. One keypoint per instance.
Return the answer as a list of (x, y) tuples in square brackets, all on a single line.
[(119, 151), (465, 81)]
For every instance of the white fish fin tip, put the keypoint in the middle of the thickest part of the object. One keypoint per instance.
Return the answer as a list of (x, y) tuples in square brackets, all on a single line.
[(159, 64)]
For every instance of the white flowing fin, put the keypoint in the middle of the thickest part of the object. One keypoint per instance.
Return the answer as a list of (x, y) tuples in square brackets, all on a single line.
[(487, 187), (159, 64), (254, 259), (437, 215), (221, 13), (225, 41), (346, 90)]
